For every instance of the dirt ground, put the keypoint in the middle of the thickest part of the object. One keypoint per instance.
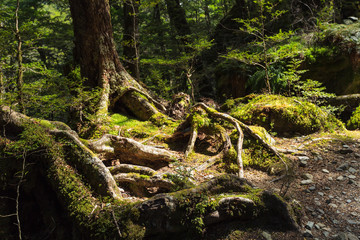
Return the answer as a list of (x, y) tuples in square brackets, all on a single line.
[(325, 182)]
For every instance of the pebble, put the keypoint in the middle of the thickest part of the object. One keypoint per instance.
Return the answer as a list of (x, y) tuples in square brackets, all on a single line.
[(343, 166), (308, 234), (333, 205), (307, 176), (303, 158), (303, 163), (330, 178), (320, 211), (309, 225), (312, 188), (319, 226), (348, 201), (352, 222), (326, 234), (357, 155), (306, 182), (345, 151), (351, 176), (321, 194), (340, 178), (326, 188), (325, 171), (266, 235), (352, 170)]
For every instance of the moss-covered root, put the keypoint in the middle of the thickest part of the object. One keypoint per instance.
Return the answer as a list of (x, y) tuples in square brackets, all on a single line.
[(97, 175), (223, 198)]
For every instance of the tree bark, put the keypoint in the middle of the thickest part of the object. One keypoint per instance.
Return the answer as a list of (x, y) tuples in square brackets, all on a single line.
[(177, 17), (99, 61)]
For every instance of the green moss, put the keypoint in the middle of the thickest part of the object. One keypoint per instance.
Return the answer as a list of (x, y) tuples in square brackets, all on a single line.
[(285, 114), (354, 121)]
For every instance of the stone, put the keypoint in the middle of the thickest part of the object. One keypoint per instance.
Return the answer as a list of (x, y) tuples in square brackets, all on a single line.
[(309, 225), (345, 151), (326, 234), (303, 158), (266, 235), (357, 155), (306, 182), (351, 236), (308, 234), (352, 222), (351, 176), (354, 19), (352, 170), (348, 201), (340, 178), (326, 188), (307, 176), (333, 205), (344, 166), (321, 194), (303, 163), (325, 171), (312, 188), (320, 210)]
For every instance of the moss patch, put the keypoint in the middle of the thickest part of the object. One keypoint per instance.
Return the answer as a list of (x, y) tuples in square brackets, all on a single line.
[(354, 121), (285, 114)]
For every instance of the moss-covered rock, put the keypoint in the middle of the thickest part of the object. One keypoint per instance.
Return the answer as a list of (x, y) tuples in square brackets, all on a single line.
[(285, 114)]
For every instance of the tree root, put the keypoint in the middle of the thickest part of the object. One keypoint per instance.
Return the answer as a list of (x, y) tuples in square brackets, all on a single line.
[(131, 151), (162, 213), (238, 125), (138, 184), (98, 176), (128, 168)]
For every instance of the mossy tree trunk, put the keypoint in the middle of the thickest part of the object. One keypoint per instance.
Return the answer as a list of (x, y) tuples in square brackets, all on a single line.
[(100, 65)]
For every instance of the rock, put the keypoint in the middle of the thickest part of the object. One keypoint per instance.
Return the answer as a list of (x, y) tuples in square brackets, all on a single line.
[(340, 178), (326, 234), (333, 205), (325, 171), (303, 163), (321, 194), (346, 236), (351, 176), (320, 210), (354, 19), (307, 176), (309, 225), (303, 158), (326, 188), (348, 201), (352, 222), (357, 155), (345, 146), (306, 182), (345, 151), (344, 166), (352, 170), (266, 235), (312, 188), (351, 236), (348, 21), (308, 234)]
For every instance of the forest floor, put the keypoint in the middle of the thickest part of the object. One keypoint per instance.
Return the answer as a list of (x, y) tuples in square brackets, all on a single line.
[(326, 183)]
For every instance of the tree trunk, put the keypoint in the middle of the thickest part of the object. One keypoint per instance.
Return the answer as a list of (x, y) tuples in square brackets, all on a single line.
[(131, 37), (99, 61), (178, 20)]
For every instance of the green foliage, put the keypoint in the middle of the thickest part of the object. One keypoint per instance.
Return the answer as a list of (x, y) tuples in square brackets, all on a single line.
[(354, 121)]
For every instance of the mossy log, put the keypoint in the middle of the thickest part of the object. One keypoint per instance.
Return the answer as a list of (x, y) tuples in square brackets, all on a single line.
[(128, 168)]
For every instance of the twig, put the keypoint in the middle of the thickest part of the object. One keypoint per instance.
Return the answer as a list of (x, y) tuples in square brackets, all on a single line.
[(116, 224), (192, 141)]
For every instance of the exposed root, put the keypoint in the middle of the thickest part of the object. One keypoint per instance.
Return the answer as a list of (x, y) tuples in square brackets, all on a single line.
[(139, 184), (128, 168), (131, 151), (239, 126), (192, 140)]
